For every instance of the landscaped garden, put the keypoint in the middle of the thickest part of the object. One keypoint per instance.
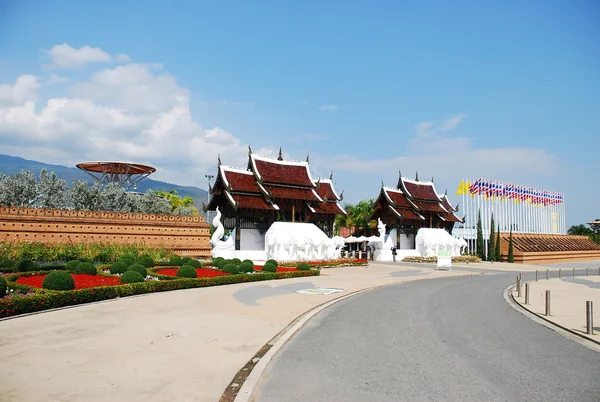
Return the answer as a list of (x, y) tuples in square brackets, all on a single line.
[(36, 276)]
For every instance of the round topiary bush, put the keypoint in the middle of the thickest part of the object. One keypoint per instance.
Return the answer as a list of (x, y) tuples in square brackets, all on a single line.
[(72, 265), (175, 261), (186, 259), (8, 264), (132, 277), (231, 268), (138, 268), (215, 261), (25, 266), (272, 262), (86, 260), (303, 266), (247, 266), (269, 267), (118, 267), (87, 268), (58, 280), (3, 286), (126, 261), (236, 261), (146, 261), (221, 263), (187, 271), (194, 263)]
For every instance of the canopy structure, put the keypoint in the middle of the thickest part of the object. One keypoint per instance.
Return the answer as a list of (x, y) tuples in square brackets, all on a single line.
[(126, 174)]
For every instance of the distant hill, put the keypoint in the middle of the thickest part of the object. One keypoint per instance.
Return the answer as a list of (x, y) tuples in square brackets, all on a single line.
[(10, 165)]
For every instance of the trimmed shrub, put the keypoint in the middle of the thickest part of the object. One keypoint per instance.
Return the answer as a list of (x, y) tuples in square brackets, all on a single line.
[(231, 268), (86, 260), (25, 266), (132, 277), (221, 263), (126, 257), (48, 300), (272, 262), (3, 286), (138, 268), (58, 280), (194, 263), (236, 261), (216, 261), (72, 265), (246, 266), (269, 267), (187, 271), (127, 261), (118, 267), (146, 261), (87, 268), (303, 266), (8, 264), (186, 259), (175, 261)]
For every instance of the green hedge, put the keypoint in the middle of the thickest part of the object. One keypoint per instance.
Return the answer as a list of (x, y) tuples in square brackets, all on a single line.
[(48, 299)]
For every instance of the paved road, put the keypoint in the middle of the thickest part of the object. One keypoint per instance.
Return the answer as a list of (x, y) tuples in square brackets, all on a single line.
[(431, 340)]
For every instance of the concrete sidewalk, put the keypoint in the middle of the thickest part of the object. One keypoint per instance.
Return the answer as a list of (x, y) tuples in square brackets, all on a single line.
[(568, 297), (183, 345)]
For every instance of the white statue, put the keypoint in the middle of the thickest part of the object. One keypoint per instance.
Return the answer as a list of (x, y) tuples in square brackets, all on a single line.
[(219, 229), (221, 248)]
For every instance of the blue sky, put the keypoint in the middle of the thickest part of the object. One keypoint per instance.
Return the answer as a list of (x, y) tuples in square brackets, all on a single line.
[(505, 90)]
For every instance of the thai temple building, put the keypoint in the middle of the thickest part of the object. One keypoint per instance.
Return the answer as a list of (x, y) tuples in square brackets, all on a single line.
[(413, 205), (271, 190)]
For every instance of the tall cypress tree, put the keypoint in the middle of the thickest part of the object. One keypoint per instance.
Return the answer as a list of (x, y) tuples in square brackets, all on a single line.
[(480, 245), (511, 251), (498, 253), (492, 241)]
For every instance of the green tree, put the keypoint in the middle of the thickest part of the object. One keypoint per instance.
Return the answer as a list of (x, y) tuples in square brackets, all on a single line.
[(480, 244), (492, 241), (179, 205), (580, 230), (498, 253), (358, 216), (511, 251)]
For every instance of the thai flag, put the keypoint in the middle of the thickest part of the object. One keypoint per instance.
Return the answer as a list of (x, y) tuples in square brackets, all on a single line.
[(475, 187)]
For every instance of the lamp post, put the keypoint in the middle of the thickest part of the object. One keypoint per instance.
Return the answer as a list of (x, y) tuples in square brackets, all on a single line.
[(209, 177)]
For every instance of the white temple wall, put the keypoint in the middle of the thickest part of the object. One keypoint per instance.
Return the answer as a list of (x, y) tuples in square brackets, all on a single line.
[(251, 239)]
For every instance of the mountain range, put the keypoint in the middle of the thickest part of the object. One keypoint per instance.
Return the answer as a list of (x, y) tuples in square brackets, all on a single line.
[(10, 165)]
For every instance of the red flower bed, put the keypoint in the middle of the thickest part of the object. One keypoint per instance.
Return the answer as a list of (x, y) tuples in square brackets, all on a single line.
[(82, 281), (279, 269), (201, 272)]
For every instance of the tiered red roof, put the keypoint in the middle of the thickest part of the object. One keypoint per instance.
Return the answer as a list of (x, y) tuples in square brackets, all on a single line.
[(307, 194), (419, 190), (281, 172), (326, 191), (267, 182), (412, 199)]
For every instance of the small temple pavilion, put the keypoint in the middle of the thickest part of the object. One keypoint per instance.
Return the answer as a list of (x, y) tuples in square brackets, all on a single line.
[(412, 205), (271, 190)]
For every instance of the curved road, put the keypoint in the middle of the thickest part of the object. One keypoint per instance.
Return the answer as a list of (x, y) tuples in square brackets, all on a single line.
[(431, 340)]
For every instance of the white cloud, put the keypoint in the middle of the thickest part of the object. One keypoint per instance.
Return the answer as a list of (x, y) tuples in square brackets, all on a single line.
[(329, 108), (129, 113), (66, 57), (23, 90), (428, 129), (56, 79)]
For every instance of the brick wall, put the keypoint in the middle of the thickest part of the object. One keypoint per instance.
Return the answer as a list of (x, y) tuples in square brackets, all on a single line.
[(187, 235)]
